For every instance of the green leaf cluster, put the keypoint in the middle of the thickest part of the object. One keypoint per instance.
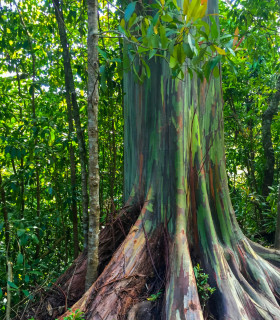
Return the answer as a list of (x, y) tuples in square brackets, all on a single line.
[(181, 36), (204, 289)]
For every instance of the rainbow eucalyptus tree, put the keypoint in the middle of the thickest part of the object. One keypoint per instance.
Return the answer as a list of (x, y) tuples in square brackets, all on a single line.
[(175, 171)]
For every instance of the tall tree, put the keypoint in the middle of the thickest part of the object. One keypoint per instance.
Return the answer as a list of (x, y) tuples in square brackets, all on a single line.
[(175, 171), (93, 168)]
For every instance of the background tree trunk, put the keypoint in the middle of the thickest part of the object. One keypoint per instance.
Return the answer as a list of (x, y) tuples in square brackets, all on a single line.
[(74, 209), (267, 119), (70, 90), (5, 214), (21, 160)]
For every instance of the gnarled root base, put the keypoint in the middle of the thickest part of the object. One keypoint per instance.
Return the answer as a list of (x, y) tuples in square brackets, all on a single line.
[(149, 260), (247, 286)]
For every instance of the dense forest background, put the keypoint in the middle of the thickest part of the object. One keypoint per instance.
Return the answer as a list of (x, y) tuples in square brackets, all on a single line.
[(41, 153)]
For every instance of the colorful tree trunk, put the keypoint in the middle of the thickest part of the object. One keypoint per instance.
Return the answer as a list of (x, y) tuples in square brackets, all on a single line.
[(175, 171)]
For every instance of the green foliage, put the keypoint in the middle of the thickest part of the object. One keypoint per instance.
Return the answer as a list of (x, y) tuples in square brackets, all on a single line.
[(155, 296), (34, 151), (181, 36), (249, 79), (256, 215), (77, 315), (110, 120), (203, 287)]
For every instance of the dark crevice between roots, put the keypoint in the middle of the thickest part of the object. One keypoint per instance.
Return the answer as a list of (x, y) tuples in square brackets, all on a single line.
[(206, 305), (70, 286), (149, 304)]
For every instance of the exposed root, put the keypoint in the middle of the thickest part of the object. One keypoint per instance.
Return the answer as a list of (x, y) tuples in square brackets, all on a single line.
[(182, 299), (271, 255), (245, 285)]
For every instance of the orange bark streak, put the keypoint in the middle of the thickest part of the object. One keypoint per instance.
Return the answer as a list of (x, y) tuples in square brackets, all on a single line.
[(180, 122)]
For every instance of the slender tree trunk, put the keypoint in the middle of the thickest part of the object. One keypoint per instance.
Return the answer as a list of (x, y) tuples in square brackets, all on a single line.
[(21, 160), (74, 209), (22, 188), (93, 98), (267, 119), (70, 89), (9, 291), (38, 208), (7, 244), (5, 214), (113, 166), (251, 152), (101, 189)]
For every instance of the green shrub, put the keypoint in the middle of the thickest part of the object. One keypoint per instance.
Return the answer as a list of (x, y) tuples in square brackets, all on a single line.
[(203, 287), (77, 315)]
